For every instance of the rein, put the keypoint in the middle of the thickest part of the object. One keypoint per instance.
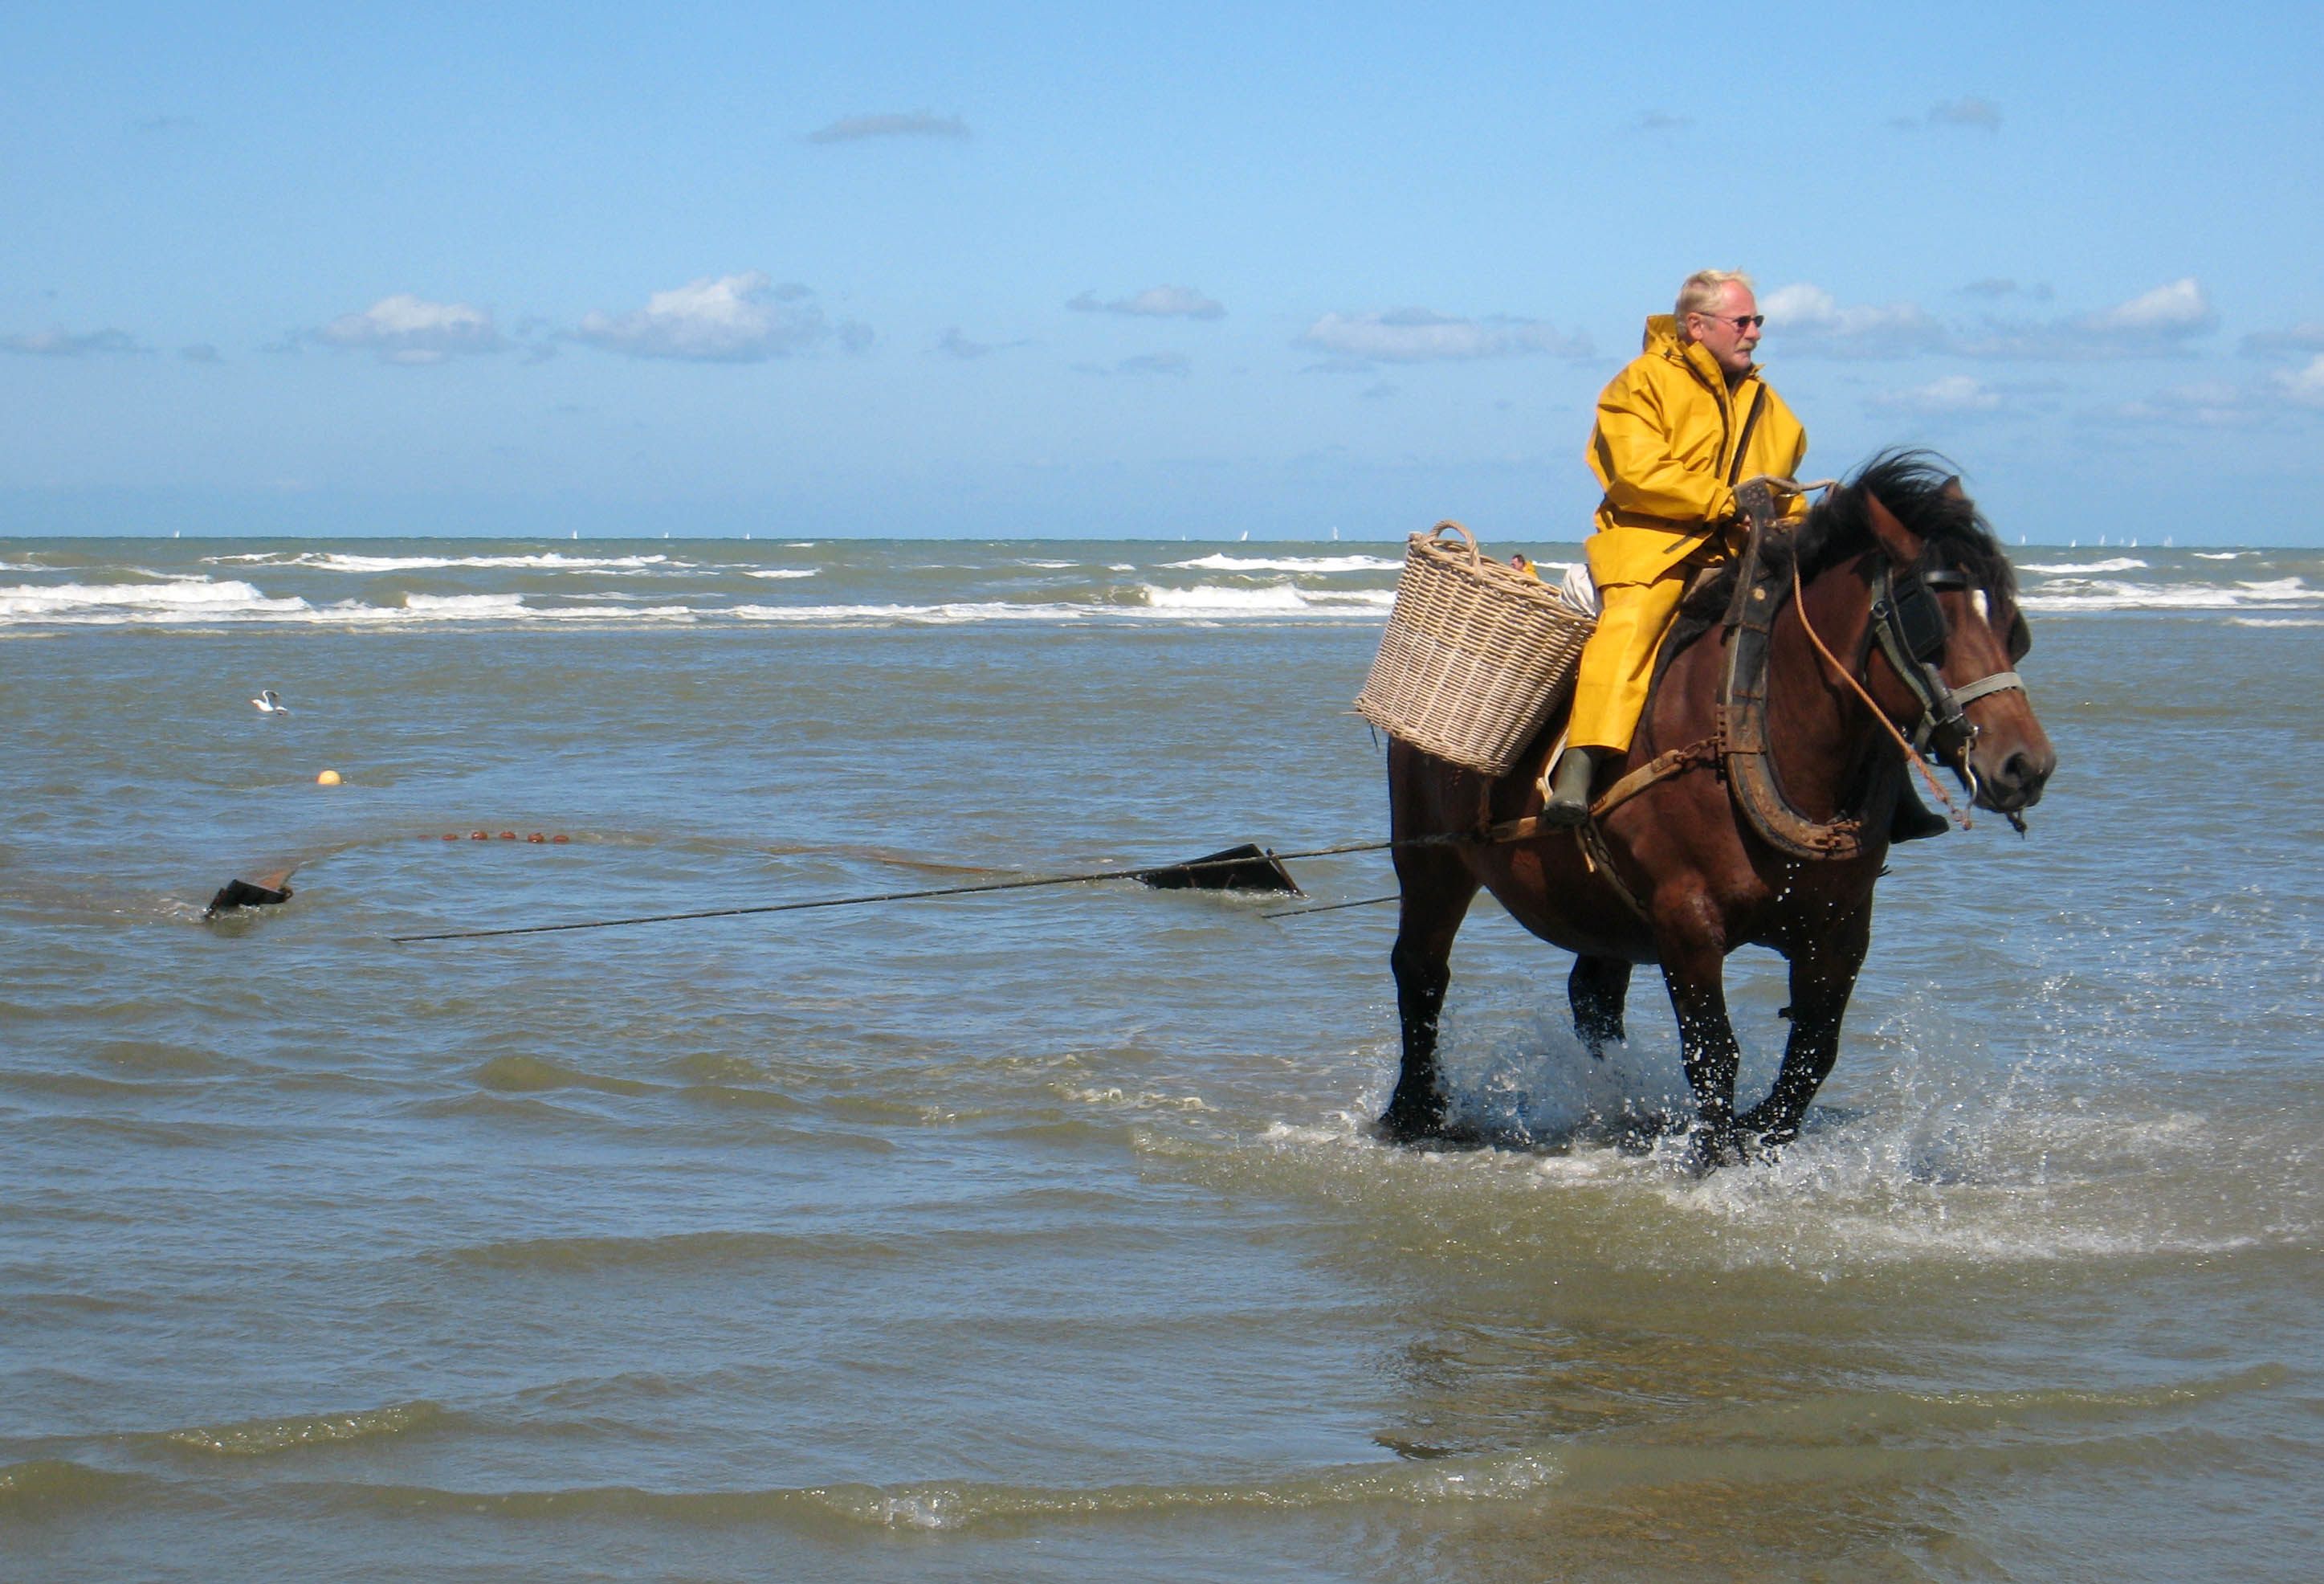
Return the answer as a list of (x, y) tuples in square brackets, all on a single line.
[(1800, 603), (1906, 624)]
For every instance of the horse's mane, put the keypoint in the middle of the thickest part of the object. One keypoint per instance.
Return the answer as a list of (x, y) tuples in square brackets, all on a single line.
[(1913, 486)]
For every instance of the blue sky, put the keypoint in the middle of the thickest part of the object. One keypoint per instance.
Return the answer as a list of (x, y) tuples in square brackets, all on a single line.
[(1135, 270)]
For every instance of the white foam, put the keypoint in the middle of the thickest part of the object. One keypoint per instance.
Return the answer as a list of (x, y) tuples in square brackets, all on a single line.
[(777, 572), (2223, 555), (1211, 601), (458, 606), (2118, 564), (2085, 594), (114, 604), (1312, 564), (939, 615), (549, 561)]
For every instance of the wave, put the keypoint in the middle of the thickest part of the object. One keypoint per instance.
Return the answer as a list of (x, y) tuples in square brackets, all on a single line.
[(259, 1438), (957, 1505), (457, 607), (1198, 603), (1282, 600), (780, 571), (2223, 555), (173, 599), (2119, 564), (1313, 563), (2081, 594), (46, 1485), (546, 560)]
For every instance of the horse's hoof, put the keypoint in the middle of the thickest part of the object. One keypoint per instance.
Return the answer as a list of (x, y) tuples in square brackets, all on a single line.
[(1713, 1147), (1769, 1130), (1404, 1124)]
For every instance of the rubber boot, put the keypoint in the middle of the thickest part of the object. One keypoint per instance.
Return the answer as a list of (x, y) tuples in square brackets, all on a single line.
[(1569, 789), (1914, 819)]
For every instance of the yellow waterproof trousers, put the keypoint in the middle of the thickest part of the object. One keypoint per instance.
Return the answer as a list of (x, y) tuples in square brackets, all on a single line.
[(1619, 661)]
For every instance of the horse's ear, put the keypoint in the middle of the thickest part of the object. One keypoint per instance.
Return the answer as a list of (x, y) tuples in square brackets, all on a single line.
[(1902, 545), (1954, 492)]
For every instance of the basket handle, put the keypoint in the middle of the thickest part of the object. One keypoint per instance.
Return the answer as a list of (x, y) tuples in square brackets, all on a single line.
[(1475, 555)]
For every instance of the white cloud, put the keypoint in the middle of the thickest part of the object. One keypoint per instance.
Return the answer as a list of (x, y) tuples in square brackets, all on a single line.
[(2153, 324), (1999, 286), (1807, 319), (914, 123), (2207, 404), (405, 329), (1171, 363), (1967, 111), (954, 344), (64, 344), (1154, 303), (2300, 337), (1416, 334), (720, 319), (2303, 386), (2178, 308), (1952, 395)]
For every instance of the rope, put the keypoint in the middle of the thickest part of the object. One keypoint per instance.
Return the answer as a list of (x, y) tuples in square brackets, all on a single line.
[(1799, 604), (1448, 839)]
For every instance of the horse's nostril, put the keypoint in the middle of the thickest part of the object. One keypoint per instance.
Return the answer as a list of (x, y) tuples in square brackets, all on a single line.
[(2023, 774)]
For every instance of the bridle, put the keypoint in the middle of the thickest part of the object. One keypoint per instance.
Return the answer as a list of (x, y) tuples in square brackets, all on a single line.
[(1910, 626)]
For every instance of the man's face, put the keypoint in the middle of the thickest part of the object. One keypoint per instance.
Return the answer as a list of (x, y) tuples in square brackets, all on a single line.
[(1729, 345)]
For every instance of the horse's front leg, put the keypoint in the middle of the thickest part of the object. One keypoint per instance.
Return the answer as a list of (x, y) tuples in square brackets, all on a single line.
[(1694, 959), (1823, 977), (1438, 889), (1596, 990)]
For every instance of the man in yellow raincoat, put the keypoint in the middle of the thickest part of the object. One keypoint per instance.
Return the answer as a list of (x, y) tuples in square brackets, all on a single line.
[(1676, 431)]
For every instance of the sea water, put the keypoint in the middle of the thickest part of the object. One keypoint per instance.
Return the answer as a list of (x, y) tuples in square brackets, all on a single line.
[(1040, 1234)]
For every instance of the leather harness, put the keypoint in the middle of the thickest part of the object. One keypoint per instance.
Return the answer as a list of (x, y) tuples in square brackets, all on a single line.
[(1910, 628)]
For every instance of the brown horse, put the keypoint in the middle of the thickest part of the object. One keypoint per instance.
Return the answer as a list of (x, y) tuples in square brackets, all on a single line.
[(1899, 571)]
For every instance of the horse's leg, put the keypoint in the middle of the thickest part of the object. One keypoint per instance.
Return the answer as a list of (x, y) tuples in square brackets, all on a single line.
[(1438, 889), (1694, 964), (1597, 989), (1823, 977)]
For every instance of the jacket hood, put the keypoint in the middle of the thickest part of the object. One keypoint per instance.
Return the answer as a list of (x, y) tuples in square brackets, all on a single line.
[(1662, 336)]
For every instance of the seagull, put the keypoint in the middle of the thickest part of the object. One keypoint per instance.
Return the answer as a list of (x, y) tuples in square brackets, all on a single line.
[(269, 703)]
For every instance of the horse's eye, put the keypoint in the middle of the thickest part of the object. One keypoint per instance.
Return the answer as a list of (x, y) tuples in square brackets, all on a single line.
[(2021, 641)]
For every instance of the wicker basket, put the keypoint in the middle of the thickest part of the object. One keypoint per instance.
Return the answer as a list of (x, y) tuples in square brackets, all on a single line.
[(1476, 655)]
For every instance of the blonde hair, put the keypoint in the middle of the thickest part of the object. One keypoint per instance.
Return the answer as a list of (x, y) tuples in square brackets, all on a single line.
[(1700, 293)]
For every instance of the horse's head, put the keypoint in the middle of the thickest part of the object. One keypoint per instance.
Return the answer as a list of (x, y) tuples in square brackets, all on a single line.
[(1947, 633)]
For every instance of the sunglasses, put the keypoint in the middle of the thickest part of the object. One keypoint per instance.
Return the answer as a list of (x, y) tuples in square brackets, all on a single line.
[(1741, 321)]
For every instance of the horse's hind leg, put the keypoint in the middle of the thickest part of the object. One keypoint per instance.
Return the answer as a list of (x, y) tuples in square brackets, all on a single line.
[(1597, 989), (1823, 977), (1438, 889)]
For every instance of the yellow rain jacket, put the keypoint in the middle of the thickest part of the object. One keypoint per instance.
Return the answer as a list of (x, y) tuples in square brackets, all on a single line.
[(1664, 447)]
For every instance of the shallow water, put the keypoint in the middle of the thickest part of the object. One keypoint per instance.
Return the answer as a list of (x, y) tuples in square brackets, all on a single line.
[(1038, 1233)]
